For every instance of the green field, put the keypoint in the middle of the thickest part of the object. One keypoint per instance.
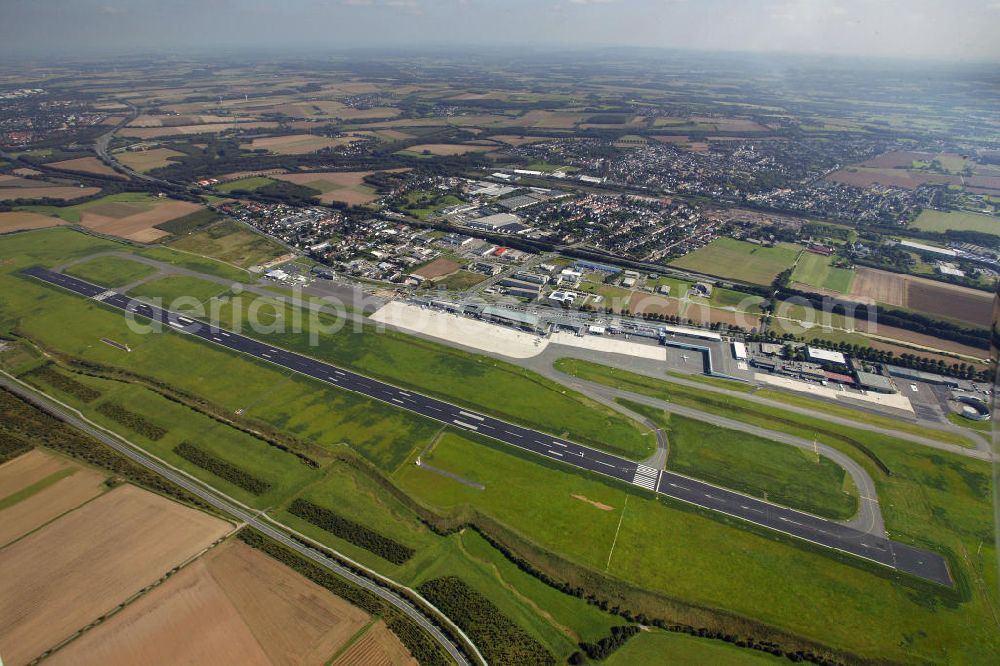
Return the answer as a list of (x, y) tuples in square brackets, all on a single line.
[(110, 271), (753, 465), (138, 201), (650, 648), (816, 270), (941, 221), (174, 287), (232, 243), (739, 260), (250, 184)]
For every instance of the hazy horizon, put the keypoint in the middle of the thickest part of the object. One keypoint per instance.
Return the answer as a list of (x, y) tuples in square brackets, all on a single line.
[(963, 30)]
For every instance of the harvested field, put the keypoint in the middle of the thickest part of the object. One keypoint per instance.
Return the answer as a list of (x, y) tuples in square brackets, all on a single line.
[(64, 192), (299, 144), (186, 130), (19, 221), (378, 647), (135, 221), (872, 285), (60, 578), (917, 293), (86, 165), (27, 469), (437, 269), (234, 605), (70, 487), (147, 160), (346, 186), (446, 149)]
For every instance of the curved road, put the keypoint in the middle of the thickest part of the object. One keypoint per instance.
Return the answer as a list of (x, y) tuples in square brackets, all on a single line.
[(233, 508)]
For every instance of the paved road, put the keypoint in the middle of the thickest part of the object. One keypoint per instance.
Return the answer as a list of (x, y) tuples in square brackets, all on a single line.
[(236, 510), (923, 564)]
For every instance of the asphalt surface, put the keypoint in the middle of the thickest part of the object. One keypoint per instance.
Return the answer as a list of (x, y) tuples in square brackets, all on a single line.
[(921, 563), (230, 507)]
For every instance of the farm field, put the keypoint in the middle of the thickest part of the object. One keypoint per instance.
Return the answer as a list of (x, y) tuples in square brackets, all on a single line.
[(34, 189), (916, 293), (739, 260), (232, 605), (816, 270), (941, 221), (121, 542), (37, 487), (755, 466), (86, 165), (299, 144), (130, 215), (147, 160), (110, 271), (377, 646), (22, 221), (346, 186), (232, 243)]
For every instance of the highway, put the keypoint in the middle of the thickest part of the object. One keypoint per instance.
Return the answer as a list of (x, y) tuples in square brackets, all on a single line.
[(921, 563), (233, 508)]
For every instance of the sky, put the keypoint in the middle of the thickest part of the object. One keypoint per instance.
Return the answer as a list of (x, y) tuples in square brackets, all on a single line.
[(909, 29)]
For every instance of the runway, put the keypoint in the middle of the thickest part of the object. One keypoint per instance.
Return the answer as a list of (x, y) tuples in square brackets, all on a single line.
[(921, 563)]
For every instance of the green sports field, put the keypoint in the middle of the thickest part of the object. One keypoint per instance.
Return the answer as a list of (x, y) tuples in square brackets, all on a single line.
[(816, 270), (739, 260), (941, 221)]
